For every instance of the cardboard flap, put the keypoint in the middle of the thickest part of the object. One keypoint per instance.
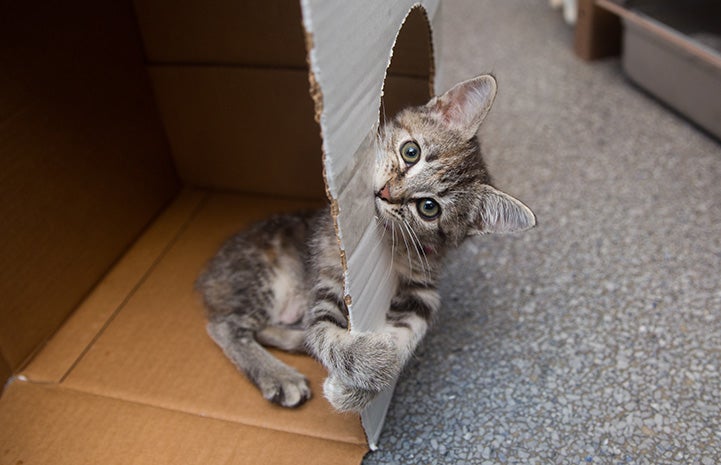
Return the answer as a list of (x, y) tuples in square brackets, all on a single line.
[(49, 424), (348, 98)]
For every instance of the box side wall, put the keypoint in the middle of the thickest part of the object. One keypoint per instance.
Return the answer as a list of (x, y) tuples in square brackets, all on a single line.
[(232, 85), (85, 166), (255, 33), (242, 129), (349, 99)]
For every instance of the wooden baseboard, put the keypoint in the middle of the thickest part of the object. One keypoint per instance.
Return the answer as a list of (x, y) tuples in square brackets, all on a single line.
[(598, 32)]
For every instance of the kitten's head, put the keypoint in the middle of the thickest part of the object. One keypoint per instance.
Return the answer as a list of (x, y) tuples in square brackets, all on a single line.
[(430, 177)]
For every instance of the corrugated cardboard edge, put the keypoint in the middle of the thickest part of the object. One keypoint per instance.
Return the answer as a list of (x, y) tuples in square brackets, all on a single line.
[(317, 95)]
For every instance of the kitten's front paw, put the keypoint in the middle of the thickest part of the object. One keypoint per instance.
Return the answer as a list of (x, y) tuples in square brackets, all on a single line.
[(289, 389), (370, 361), (346, 398)]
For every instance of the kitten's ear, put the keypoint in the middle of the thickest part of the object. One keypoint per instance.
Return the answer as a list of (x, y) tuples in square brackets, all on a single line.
[(465, 105), (500, 213)]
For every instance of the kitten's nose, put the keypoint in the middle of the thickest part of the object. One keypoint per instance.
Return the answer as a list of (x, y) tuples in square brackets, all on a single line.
[(385, 193)]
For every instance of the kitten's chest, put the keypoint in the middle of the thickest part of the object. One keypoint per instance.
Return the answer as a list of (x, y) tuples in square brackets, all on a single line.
[(297, 275), (291, 291)]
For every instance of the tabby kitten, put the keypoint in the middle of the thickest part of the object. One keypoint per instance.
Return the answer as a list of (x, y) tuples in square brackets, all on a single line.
[(280, 283)]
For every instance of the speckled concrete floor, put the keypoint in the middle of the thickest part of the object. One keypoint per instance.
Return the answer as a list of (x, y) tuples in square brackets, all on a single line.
[(596, 337)]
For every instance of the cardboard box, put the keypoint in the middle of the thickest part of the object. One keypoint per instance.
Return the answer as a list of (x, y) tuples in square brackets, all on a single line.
[(135, 138)]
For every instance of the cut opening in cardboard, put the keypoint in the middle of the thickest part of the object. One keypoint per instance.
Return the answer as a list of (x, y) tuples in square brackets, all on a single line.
[(410, 76)]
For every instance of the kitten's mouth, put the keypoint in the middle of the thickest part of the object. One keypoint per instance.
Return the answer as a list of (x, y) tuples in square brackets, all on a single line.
[(378, 204), (384, 213), (379, 201), (381, 207)]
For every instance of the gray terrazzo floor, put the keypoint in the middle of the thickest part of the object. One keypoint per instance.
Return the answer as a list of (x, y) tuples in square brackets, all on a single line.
[(596, 337)]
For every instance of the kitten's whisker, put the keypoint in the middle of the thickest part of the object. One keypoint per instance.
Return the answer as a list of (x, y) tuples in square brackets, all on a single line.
[(393, 248), (408, 251), (423, 250), (390, 267), (385, 228), (413, 245), (425, 268), (380, 240)]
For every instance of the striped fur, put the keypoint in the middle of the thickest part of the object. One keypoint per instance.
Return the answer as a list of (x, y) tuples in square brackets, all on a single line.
[(280, 283)]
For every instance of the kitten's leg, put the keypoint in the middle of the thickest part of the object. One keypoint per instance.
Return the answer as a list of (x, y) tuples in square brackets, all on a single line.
[(278, 382), (247, 288), (353, 386), (282, 337), (361, 359), (367, 361), (411, 312), (346, 398), (360, 364)]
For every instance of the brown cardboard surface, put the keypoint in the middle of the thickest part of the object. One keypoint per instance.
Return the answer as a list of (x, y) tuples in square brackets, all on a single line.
[(84, 165), (413, 50), (241, 129), (5, 371), (409, 79), (52, 425), (77, 334), (155, 350), (401, 91), (253, 33)]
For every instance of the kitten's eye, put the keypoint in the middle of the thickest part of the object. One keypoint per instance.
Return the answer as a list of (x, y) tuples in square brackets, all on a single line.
[(411, 152), (428, 209)]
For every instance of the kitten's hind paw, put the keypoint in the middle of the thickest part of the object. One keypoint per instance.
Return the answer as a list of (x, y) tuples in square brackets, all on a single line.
[(346, 398), (288, 390)]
